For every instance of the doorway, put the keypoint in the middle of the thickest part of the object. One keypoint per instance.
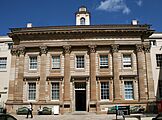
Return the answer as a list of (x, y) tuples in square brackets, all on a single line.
[(80, 96)]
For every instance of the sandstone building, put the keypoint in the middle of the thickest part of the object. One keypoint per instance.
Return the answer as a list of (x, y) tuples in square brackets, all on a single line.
[(81, 68)]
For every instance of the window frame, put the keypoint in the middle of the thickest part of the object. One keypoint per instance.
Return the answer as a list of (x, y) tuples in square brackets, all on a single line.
[(126, 62), (159, 61), (53, 62), (76, 62), (36, 63), (34, 92), (153, 43), (106, 66), (129, 90), (55, 91), (103, 91), (3, 62)]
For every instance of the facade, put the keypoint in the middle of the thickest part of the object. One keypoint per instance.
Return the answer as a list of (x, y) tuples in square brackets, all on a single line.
[(82, 67), (5, 61), (156, 59)]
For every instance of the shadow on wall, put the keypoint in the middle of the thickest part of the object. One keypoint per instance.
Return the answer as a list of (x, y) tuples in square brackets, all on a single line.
[(159, 86), (159, 91), (156, 107)]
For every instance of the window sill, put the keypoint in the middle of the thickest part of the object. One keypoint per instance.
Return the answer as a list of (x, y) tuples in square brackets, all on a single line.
[(32, 100), (129, 99), (104, 100), (32, 70), (80, 69), (158, 67), (3, 70), (55, 100), (127, 68), (55, 70)]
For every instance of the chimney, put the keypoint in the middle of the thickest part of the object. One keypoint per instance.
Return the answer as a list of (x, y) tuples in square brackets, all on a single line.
[(134, 22), (29, 25)]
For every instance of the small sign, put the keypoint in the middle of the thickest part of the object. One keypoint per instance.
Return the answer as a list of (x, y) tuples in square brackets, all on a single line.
[(123, 110)]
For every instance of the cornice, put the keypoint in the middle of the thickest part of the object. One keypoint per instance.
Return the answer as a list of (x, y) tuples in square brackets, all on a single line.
[(80, 29)]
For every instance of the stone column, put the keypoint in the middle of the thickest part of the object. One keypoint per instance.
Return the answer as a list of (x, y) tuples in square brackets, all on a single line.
[(67, 73), (18, 93), (116, 71), (12, 75), (141, 68), (150, 82), (42, 83), (92, 73)]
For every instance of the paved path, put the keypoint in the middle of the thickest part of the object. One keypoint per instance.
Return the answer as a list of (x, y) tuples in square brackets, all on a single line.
[(75, 117)]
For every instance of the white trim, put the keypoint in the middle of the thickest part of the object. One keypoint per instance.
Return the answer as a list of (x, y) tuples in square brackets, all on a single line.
[(76, 61), (108, 91), (52, 67), (32, 69), (58, 93)]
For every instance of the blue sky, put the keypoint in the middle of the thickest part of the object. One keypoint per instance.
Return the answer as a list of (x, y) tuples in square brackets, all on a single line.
[(17, 13)]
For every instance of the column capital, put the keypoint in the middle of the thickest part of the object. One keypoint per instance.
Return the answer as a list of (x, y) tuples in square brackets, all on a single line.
[(115, 48), (14, 51), (21, 50), (147, 48), (43, 49), (92, 48), (139, 47), (67, 49)]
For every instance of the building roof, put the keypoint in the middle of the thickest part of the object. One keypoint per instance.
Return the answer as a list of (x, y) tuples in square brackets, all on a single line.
[(5, 39), (156, 35), (80, 29)]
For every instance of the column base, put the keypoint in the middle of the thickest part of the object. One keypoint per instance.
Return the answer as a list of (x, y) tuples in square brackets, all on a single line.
[(66, 107), (143, 99), (41, 101), (18, 101), (117, 99), (93, 106), (152, 99), (9, 102)]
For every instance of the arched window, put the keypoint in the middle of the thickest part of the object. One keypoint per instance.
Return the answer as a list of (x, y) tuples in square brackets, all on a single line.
[(82, 21)]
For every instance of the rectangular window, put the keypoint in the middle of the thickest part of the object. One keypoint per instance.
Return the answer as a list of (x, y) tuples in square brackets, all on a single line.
[(159, 60), (55, 62), (153, 43), (3, 62), (80, 61), (104, 90), (128, 89), (160, 88), (33, 62), (127, 61), (103, 61), (10, 45), (55, 91), (31, 91)]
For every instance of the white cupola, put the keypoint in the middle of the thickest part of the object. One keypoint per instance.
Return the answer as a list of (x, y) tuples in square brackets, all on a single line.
[(82, 16)]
